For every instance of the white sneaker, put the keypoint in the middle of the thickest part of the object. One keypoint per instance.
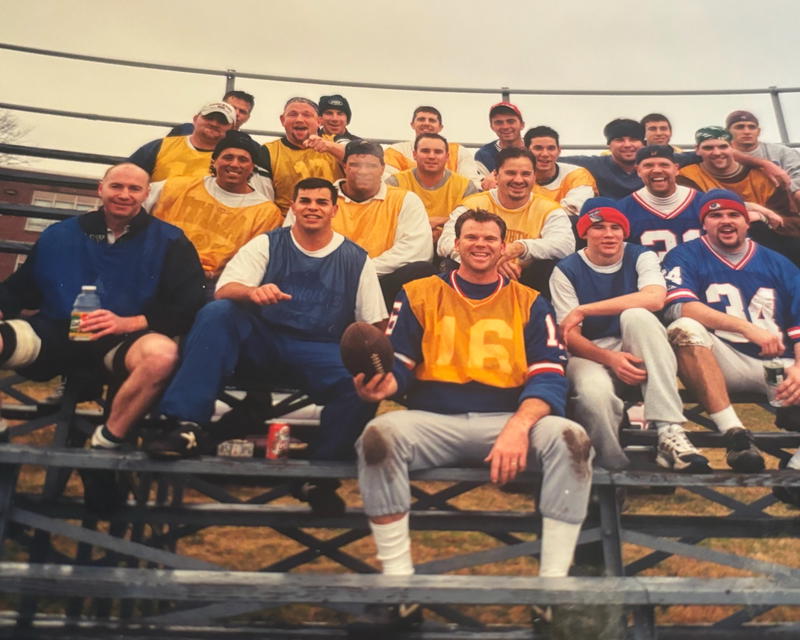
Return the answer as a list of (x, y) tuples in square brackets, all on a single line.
[(674, 451)]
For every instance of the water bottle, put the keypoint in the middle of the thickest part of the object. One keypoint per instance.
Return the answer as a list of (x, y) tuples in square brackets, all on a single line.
[(774, 374), (87, 301)]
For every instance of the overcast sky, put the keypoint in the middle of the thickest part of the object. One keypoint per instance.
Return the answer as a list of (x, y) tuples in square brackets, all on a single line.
[(582, 44)]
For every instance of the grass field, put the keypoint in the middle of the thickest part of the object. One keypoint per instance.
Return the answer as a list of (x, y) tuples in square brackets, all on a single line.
[(244, 548)]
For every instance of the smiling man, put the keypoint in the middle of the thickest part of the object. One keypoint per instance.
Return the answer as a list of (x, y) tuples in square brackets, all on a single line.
[(150, 285), (735, 304), (281, 306), (301, 153), (657, 130), (400, 155), (567, 184), (221, 212), (662, 214), (480, 368), (505, 119), (606, 297), (440, 189), (539, 231), (187, 155)]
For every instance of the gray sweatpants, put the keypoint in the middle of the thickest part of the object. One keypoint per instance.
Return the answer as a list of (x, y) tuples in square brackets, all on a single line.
[(594, 402), (401, 441)]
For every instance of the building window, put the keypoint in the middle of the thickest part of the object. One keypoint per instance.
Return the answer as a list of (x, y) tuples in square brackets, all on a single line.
[(55, 200)]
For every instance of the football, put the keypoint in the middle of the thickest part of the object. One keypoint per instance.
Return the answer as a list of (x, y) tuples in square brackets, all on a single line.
[(366, 349)]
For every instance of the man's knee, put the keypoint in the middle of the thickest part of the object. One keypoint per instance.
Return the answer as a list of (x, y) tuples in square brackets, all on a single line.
[(566, 439), (19, 344), (373, 445), (636, 317), (688, 332), (154, 354)]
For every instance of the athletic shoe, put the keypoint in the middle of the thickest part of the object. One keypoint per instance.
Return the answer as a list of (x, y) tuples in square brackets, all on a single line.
[(186, 440), (674, 451), (742, 454), (320, 495), (789, 495), (383, 621)]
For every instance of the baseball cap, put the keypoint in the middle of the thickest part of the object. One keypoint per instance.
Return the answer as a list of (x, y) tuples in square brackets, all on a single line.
[(219, 107)]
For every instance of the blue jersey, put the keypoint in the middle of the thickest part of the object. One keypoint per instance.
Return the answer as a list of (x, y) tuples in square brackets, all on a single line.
[(661, 232), (591, 286), (463, 347), (763, 288), (323, 290)]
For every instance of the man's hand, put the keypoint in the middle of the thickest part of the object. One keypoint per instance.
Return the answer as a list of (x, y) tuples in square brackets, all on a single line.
[(317, 143), (437, 224), (570, 321), (489, 182), (757, 212), (509, 455), (508, 264), (377, 388), (627, 367), (771, 343), (268, 294), (103, 322), (788, 391), (777, 175)]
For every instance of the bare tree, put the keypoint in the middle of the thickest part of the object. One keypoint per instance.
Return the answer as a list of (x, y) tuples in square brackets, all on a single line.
[(11, 131)]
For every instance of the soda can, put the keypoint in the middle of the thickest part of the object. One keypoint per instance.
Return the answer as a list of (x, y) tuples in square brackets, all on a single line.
[(277, 441), (774, 374)]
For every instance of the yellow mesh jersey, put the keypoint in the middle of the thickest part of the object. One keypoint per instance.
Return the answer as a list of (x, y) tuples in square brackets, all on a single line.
[(558, 189), (289, 166), (438, 202), (373, 224), (217, 231), (395, 158), (523, 223), (467, 340), (755, 186), (177, 157)]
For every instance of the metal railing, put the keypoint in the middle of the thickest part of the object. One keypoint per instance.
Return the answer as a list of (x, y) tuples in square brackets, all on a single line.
[(504, 93)]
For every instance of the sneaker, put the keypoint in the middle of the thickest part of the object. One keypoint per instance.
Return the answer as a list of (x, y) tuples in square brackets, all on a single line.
[(742, 454), (321, 496), (104, 490), (183, 441), (674, 451), (382, 621), (789, 495)]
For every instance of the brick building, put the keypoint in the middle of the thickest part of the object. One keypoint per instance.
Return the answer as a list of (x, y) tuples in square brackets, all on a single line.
[(39, 189)]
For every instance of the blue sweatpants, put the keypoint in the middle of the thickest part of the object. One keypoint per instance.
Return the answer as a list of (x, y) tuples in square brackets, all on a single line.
[(226, 334)]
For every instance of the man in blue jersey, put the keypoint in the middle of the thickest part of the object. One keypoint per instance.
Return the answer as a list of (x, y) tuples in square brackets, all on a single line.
[(662, 214), (605, 297), (735, 304), (150, 284), (480, 367), (281, 305)]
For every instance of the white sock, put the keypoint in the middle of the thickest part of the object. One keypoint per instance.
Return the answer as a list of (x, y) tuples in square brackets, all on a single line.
[(794, 462), (3, 425), (99, 440), (726, 419), (394, 547), (558, 547)]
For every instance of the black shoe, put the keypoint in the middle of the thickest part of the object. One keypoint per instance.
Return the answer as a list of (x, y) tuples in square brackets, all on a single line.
[(742, 454), (788, 418), (321, 496), (104, 490), (383, 621), (789, 495), (186, 440)]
